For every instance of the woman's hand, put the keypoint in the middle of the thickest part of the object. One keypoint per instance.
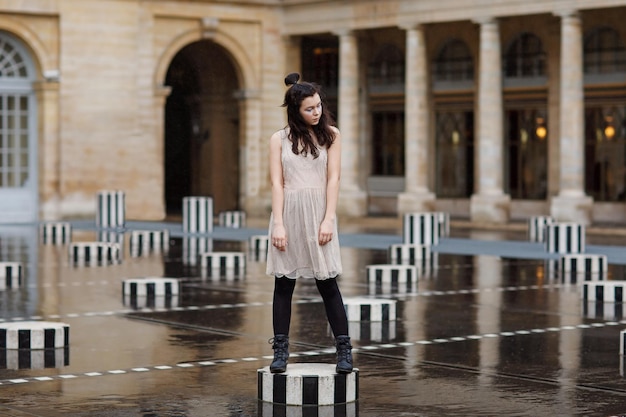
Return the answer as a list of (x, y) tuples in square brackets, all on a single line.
[(279, 237), (326, 232)]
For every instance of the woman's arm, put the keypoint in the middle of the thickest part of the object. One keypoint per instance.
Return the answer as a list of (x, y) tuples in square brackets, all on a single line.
[(332, 190), (278, 234)]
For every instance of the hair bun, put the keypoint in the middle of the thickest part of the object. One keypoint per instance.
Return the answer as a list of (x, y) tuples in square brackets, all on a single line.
[(292, 78)]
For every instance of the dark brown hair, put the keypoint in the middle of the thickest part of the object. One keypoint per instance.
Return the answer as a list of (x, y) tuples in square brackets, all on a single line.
[(298, 128)]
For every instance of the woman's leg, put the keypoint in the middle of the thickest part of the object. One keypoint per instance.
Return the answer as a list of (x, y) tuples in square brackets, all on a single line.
[(281, 307), (333, 302)]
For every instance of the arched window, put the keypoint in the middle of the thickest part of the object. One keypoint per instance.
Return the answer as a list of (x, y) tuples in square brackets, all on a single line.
[(604, 52), (387, 68), (524, 58), (454, 62)]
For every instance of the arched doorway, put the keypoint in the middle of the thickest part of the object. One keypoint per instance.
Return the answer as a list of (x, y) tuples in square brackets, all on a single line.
[(202, 128), (18, 133)]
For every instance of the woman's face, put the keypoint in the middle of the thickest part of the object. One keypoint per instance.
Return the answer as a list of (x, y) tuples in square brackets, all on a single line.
[(311, 109)]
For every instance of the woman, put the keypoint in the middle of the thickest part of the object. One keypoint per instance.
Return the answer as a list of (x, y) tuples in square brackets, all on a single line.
[(305, 164)]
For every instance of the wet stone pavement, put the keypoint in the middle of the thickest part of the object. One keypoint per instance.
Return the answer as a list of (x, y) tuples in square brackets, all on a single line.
[(478, 334)]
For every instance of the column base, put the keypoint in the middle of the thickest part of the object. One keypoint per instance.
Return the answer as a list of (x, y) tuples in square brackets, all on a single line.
[(575, 209), (415, 202), (490, 208), (352, 203)]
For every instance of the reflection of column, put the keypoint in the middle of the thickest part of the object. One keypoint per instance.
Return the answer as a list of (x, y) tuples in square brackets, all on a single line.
[(570, 344), (416, 195), (352, 201), (571, 204), (48, 102), (488, 275), (490, 204)]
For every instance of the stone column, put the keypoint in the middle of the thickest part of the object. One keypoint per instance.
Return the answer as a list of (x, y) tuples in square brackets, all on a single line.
[(571, 204), (416, 196), (489, 203), (252, 153), (49, 145), (352, 200)]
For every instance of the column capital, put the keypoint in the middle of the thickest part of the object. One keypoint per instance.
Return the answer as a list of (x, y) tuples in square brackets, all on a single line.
[(485, 20), (567, 13), (410, 25)]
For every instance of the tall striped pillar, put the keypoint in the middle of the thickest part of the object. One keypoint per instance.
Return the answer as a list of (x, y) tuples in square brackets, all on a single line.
[(110, 209), (197, 214)]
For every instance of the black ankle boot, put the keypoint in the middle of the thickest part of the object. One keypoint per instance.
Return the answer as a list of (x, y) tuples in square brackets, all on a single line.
[(344, 355), (280, 344)]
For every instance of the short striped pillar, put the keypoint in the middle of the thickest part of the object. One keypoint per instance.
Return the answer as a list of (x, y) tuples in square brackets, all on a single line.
[(198, 215), (369, 309), (145, 242), (193, 247), (34, 359), (412, 253), (622, 342), (94, 253), (150, 287), (10, 275), (34, 335), (582, 267), (217, 264), (55, 233), (235, 219), (110, 209), (537, 227), (373, 331), (602, 310), (258, 246), (308, 384), (386, 279), (565, 238), (424, 228), (605, 291)]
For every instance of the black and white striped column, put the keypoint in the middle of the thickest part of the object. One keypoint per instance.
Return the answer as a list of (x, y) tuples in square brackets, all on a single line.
[(605, 291), (198, 215), (369, 309), (537, 227), (235, 219), (257, 247), (265, 409), (34, 335), (150, 286), (386, 279), (110, 209), (582, 267), (55, 233), (145, 242), (94, 253), (424, 228), (224, 264), (308, 384), (411, 253), (10, 275), (565, 238)]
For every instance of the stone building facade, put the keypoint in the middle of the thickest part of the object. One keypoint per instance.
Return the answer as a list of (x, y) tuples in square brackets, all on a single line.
[(493, 111)]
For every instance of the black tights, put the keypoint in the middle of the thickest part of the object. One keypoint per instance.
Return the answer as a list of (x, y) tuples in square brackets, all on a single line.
[(333, 303)]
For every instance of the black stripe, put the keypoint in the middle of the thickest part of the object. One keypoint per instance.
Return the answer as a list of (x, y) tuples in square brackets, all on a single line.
[(340, 388), (395, 275), (48, 338), (66, 340), (310, 390), (600, 292), (151, 289), (133, 289), (280, 389), (3, 338), (24, 360), (23, 339), (385, 312), (619, 294), (259, 386), (366, 313), (379, 277)]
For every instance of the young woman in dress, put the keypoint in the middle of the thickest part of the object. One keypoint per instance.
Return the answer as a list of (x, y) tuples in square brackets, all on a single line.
[(305, 164)]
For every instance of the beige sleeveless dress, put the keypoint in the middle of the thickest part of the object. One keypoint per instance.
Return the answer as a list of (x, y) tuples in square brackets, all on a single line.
[(304, 207)]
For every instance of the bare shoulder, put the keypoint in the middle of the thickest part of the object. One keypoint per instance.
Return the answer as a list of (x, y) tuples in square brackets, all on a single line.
[(276, 138), (336, 132)]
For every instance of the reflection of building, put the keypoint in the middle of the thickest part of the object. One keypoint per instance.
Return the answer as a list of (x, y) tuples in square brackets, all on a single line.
[(489, 112)]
